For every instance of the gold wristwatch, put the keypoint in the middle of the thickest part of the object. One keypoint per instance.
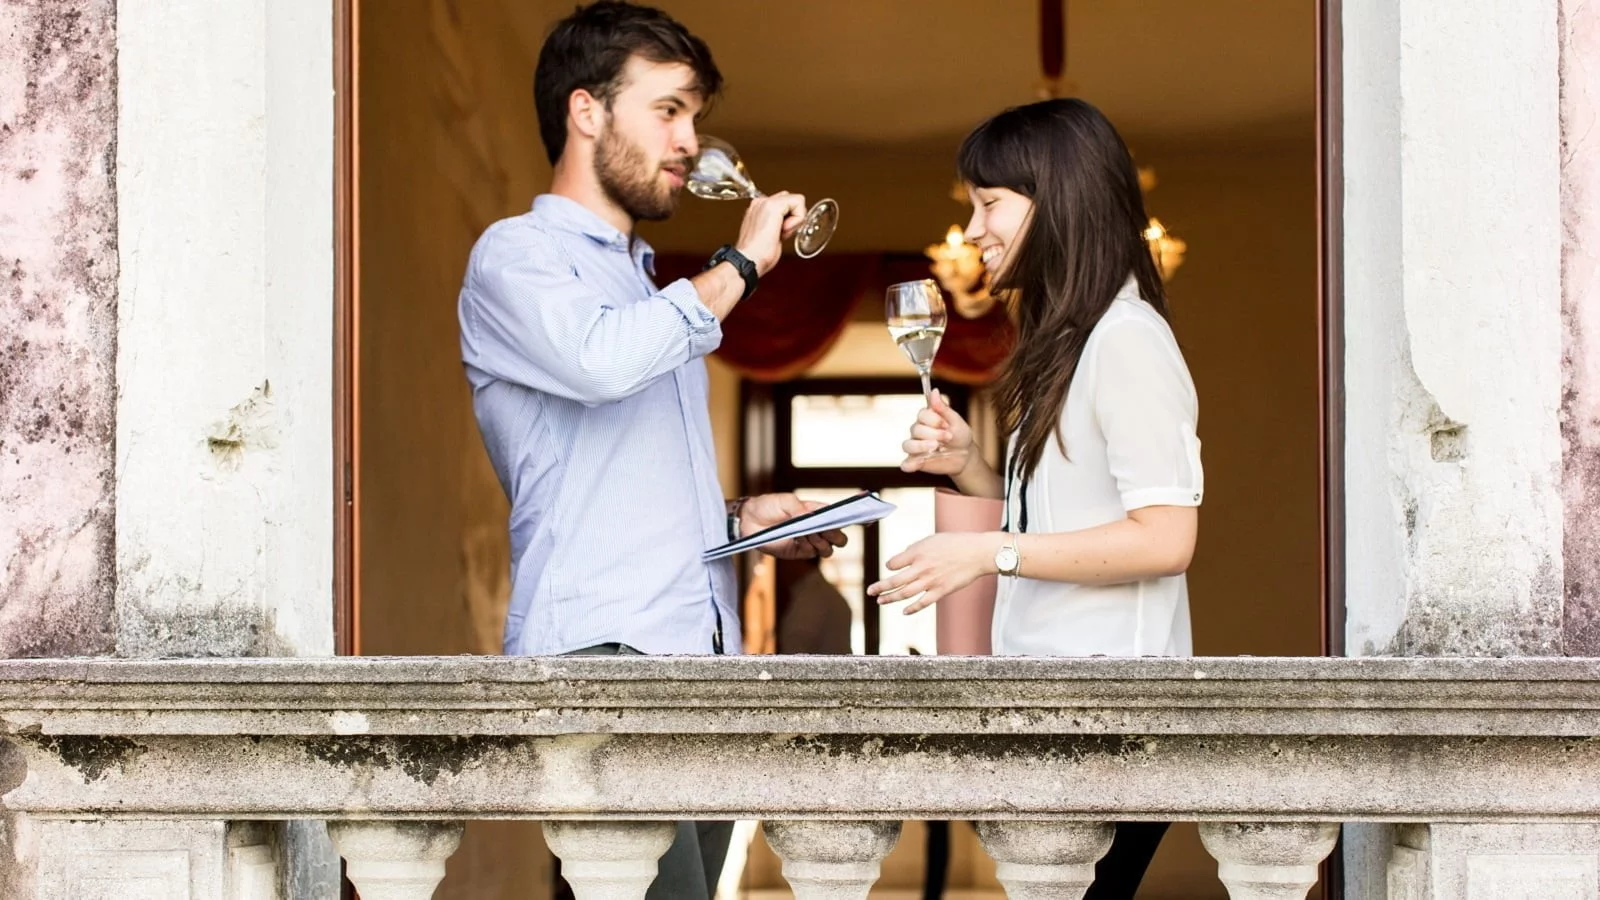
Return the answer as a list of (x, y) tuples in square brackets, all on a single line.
[(1008, 559)]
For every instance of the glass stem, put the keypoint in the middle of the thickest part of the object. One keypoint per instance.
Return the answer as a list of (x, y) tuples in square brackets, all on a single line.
[(927, 397)]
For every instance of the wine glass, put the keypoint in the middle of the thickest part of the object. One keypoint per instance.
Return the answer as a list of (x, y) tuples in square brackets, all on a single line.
[(916, 316), (719, 174)]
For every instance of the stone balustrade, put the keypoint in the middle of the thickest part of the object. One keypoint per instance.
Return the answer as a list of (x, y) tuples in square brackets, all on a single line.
[(160, 773)]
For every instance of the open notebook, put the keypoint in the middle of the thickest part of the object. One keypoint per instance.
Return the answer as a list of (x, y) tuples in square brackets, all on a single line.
[(859, 509)]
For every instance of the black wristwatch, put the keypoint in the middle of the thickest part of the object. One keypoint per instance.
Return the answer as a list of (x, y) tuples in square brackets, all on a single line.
[(740, 263)]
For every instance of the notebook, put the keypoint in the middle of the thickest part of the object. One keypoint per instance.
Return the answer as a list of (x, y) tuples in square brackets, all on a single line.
[(859, 509)]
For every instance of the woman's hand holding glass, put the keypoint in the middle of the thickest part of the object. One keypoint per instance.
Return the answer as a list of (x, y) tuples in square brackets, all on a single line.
[(938, 427)]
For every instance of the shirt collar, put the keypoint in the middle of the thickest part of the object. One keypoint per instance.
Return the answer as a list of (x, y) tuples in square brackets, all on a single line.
[(570, 215)]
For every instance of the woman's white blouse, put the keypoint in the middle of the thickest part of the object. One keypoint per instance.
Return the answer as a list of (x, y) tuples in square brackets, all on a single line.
[(1129, 424)]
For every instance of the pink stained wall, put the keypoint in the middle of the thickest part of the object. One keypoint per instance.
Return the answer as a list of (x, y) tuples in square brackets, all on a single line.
[(58, 318)]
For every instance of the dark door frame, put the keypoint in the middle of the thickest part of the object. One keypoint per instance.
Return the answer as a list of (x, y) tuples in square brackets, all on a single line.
[(1330, 311), (346, 333), (1330, 322)]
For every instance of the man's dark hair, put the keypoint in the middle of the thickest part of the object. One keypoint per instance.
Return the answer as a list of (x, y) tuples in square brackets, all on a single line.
[(588, 50)]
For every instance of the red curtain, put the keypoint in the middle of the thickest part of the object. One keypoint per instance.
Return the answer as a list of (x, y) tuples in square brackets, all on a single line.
[(804, 305)]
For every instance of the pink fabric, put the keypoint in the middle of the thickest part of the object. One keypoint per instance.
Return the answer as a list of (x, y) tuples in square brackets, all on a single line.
[(964, 617)]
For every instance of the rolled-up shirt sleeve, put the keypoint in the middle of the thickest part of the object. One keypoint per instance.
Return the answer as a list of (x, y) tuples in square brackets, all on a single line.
[(1145, 404), (526, 318)]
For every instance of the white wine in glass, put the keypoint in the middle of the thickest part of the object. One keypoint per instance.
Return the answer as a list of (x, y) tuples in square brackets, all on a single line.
[(916, 315), (719, 174), (919, 342)]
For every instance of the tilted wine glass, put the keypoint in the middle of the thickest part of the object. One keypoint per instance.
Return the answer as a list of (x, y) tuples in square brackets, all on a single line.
[(719, 174)]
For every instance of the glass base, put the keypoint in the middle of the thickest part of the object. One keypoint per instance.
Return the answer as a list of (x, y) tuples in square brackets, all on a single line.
[(815, 232)]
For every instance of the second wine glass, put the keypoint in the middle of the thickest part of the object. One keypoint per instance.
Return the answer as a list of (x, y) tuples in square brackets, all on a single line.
[(719, 174), (916, 315)]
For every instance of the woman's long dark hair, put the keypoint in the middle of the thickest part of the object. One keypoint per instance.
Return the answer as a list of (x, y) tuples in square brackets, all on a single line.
[(1084, 237)]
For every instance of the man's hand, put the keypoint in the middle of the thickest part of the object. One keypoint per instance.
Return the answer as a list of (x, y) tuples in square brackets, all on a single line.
[(766, 223), (767, 510)]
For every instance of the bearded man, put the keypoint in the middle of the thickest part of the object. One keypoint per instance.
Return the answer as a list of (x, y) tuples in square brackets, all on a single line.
[(589, 381)]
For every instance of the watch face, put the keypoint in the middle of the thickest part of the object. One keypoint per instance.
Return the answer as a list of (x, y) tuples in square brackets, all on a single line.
[(1006, 559)]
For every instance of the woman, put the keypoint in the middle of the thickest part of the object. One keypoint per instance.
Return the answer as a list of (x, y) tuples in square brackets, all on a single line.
[(1102, 480)]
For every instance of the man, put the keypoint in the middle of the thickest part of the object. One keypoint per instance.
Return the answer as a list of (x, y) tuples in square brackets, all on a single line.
[(589, 383)]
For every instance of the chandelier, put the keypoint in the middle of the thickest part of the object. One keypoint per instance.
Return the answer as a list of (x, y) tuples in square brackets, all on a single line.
[(1167, 250), (958, 265)]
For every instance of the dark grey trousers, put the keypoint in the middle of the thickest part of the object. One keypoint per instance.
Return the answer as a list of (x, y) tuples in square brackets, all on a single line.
[(691, 866)]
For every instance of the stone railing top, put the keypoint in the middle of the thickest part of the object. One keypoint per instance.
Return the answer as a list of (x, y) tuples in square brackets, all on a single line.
[(1245, 740), (766, 694)]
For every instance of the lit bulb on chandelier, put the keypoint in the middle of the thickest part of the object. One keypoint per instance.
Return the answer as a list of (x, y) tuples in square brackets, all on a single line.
[(1166, 250), (958, 266)]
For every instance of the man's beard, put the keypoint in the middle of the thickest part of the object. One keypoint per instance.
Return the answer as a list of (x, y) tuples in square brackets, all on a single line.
[(630, 181)]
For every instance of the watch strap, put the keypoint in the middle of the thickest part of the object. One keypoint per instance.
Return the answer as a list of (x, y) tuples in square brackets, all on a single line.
[(734, 508), (741, 264)]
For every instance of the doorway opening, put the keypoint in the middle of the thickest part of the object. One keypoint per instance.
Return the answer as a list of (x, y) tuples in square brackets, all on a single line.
[(1220, 104), (833, 438)]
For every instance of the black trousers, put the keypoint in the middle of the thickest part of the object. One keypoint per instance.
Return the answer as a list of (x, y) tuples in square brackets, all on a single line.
[(1116, 875)]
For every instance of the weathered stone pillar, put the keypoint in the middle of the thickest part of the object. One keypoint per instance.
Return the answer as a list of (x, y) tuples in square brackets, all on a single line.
[(1046, 860), (153, 349), (827, 860), (1268, 860), (1454, 506), (395, 860), (58, 315), (609, 860)]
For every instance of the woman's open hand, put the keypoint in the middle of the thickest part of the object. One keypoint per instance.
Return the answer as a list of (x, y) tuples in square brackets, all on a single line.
[(937, 566)]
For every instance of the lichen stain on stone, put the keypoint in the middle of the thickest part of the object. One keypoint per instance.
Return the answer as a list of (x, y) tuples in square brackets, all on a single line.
[(1580, 490), (423, 758), (91, 755), (58, 316), (1074, 748), (349, 753), (249, 424), (147, 631), (1455, 624)]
